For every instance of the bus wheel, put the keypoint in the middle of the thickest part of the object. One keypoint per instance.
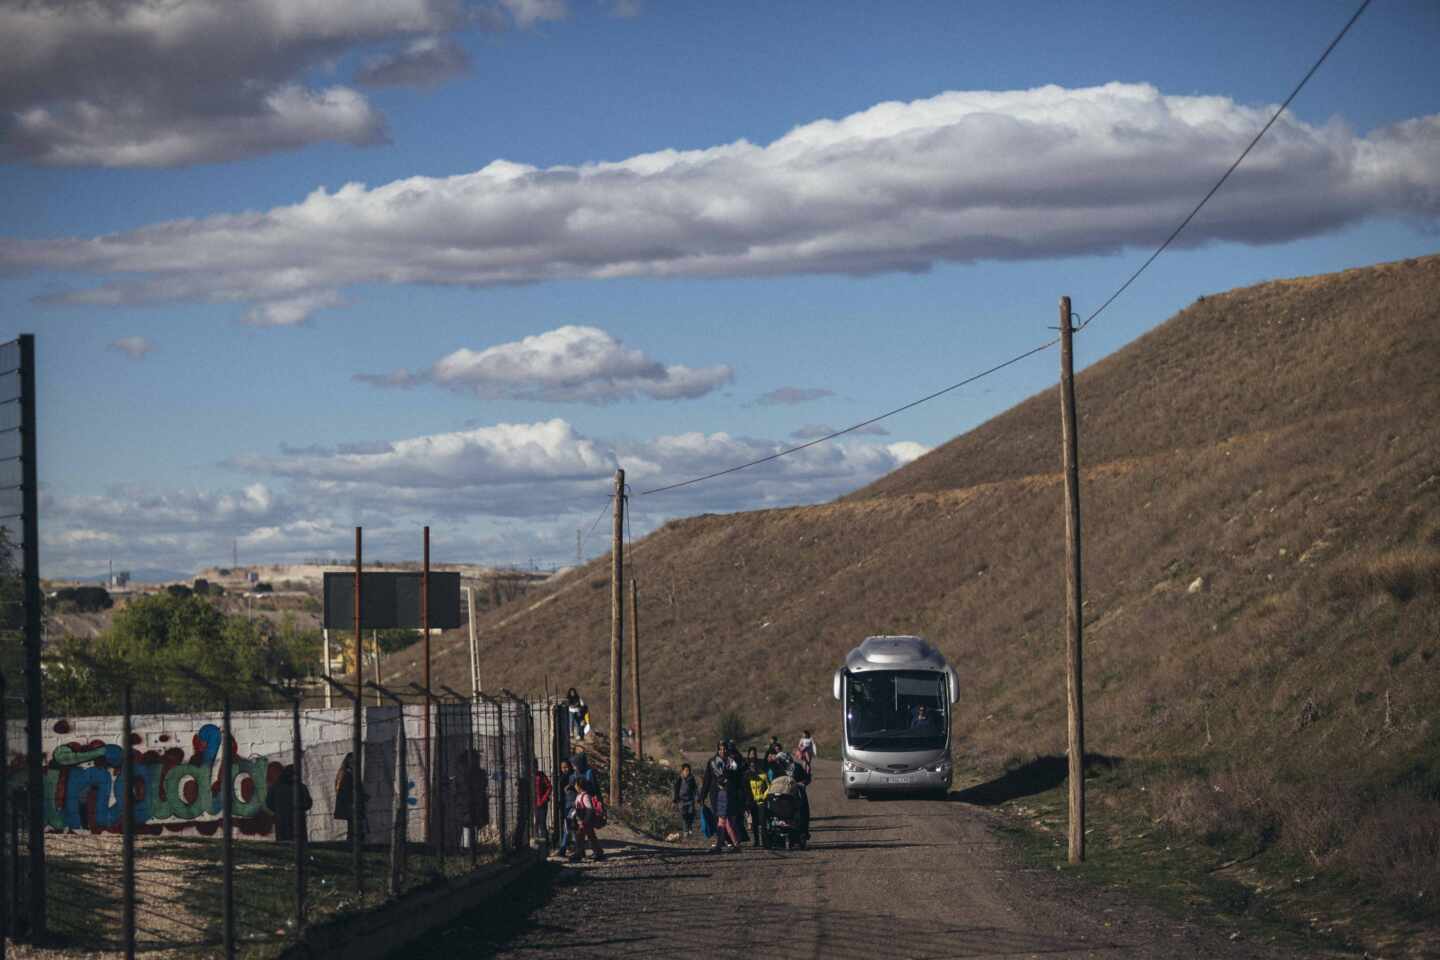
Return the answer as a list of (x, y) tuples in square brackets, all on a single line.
[(852, 794)]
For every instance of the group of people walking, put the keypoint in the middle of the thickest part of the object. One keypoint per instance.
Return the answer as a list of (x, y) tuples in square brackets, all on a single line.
[(734, 789), (583, 810)]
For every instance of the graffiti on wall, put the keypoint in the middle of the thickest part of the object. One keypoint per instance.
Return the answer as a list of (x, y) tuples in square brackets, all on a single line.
[(85, 786)]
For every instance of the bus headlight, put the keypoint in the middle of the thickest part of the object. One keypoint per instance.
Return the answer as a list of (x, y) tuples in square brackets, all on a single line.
[(852, 767), (942, 767)]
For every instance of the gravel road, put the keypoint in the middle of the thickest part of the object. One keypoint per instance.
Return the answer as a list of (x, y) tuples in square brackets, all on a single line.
[(893, 878)]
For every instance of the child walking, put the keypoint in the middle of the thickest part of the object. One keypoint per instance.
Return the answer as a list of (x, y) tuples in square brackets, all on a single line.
[(685, 795)]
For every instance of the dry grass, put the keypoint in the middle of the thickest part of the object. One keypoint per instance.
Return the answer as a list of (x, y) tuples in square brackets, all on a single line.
[(1274, 448)]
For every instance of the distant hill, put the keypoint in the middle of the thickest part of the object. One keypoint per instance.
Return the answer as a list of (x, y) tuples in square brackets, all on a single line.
[(1261, 498)]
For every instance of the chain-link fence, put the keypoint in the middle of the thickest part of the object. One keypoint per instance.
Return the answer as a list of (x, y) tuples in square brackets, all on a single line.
[(247, 817)]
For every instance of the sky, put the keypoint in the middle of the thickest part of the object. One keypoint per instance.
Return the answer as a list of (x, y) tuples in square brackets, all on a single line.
[(294, 267)]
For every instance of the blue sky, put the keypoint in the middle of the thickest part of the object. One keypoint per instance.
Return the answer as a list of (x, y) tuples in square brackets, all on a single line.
[(598, 301)]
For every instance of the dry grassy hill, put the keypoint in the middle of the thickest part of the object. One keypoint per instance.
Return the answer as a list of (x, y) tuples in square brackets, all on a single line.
[(1261, 495)]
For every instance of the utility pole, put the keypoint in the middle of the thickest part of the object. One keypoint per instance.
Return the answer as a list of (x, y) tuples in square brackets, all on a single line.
[(617, 633), (1074, 690), (474, 653), (635, 668), (578, 541), (425, 626), (357, 744)]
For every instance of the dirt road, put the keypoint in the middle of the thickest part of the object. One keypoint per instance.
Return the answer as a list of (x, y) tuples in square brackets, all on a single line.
[(898, 878)]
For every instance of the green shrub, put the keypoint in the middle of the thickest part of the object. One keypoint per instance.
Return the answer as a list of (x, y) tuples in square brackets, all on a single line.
[(730, 726)]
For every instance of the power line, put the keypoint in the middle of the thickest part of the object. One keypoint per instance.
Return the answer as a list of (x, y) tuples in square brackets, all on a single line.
[(595, 524), (1111, 299), (1226, 175), (853, 427)]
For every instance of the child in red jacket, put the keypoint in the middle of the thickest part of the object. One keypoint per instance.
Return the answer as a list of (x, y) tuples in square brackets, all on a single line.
[(542, 803)]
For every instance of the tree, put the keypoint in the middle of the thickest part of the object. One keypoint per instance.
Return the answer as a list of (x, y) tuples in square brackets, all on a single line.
[(392, 641), (156, 639)]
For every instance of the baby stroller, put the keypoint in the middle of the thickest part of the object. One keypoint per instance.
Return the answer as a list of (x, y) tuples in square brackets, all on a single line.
[(785, 826)]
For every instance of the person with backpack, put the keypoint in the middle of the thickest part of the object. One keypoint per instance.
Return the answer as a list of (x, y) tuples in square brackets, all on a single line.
[(685, 794), (589, 817), (542, 806), (583, 770), (566, 783)]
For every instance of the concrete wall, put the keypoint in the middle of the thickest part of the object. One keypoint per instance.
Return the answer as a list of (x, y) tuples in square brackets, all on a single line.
[(177, 768)]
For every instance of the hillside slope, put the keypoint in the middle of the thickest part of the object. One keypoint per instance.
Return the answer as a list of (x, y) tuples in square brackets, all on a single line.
[(1261, 495)]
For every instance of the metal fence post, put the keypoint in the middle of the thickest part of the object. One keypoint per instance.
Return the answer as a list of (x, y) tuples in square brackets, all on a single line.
[(504, 777), (400, 822), (127, 821), (357, 786), (5, 851), (227, 828), (34, 610), (302, 819)]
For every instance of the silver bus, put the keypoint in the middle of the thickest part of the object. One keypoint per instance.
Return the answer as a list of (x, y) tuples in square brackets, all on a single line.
[(895, 695)]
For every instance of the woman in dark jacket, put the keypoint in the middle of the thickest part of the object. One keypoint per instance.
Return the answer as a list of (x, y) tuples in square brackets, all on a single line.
[(345, 798), (280, 801), (722, 791)]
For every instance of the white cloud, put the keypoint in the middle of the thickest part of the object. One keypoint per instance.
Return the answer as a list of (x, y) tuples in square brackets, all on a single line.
[(905, 451), (527, 13), (962, 176), (568, 364), (156, 83), (290, 311), (133, 347), (495, 493), (813, 431), (425, 62)]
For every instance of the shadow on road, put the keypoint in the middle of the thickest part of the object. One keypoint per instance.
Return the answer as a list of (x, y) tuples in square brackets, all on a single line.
[(588, 914), (1036, 777)]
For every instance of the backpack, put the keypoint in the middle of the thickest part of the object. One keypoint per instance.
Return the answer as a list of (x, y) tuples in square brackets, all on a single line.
[(596, 808)]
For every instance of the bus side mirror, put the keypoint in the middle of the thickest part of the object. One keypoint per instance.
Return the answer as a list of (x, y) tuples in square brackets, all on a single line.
[(836, 683), (952, 679)]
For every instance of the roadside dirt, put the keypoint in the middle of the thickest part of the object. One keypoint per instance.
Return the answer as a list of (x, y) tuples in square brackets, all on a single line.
[(900, 878)]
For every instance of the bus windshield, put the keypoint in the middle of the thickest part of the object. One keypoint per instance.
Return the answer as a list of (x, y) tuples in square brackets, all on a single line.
[(896, 710)]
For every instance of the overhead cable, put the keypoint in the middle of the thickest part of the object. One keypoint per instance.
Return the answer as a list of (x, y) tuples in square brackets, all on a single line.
[(1226, 175), (855, 426)]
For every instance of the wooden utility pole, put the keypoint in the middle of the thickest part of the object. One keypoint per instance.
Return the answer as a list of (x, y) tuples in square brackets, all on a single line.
[(635, 668), (425, 627), (1074, 690), (357, 745), (617, 634), (474, 653)]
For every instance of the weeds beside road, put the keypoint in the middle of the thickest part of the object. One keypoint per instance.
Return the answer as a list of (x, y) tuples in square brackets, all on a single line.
[(1255, 890)]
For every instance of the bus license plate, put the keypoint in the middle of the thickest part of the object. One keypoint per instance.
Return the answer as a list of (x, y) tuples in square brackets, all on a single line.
[(902, 779)]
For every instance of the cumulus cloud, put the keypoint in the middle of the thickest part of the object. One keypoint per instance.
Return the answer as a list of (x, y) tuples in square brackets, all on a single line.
[(290, 311), (140, 83), (813, 431), (568, 364), (539, 469), (960, 177), (133, 347), (495, 493), (426, 62), (527, 13), (792, 396)]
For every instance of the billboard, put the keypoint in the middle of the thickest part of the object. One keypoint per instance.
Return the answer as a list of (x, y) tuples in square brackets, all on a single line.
[(390, 601)]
